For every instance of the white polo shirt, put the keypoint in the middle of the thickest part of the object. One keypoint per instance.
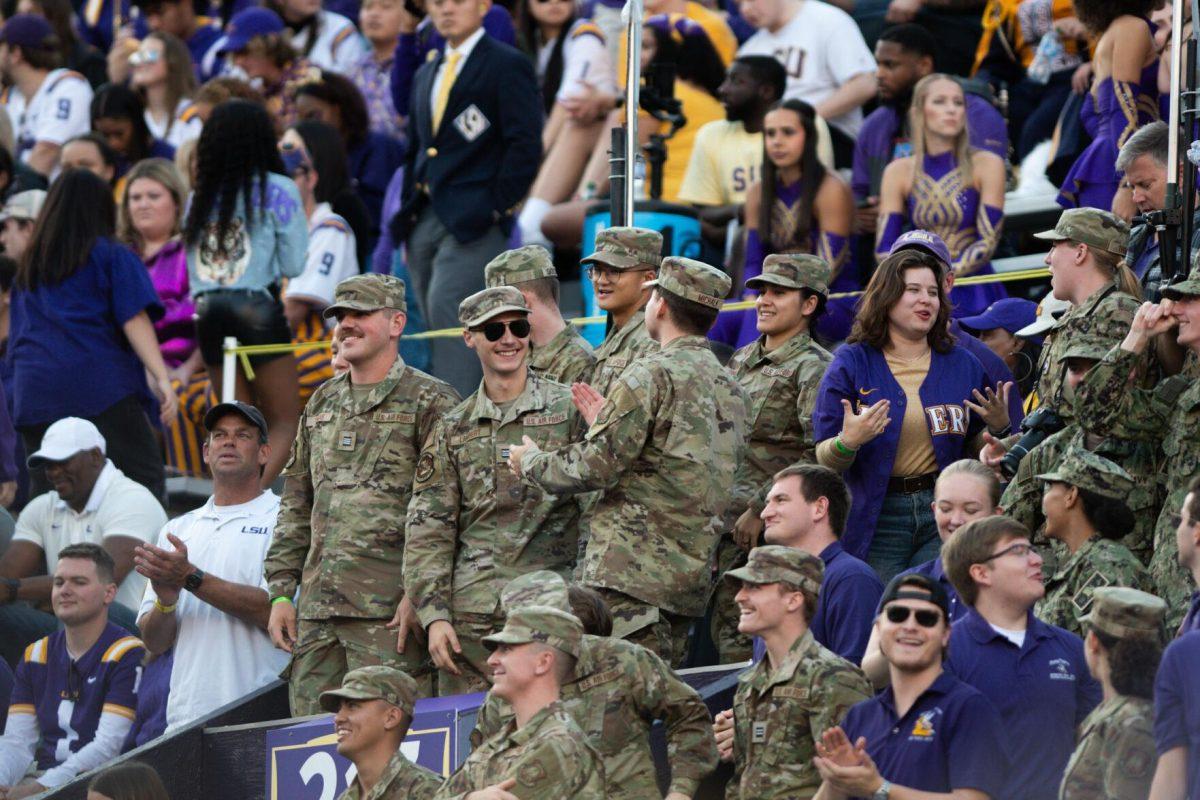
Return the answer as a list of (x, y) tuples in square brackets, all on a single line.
[(117, 506), (218, 657)]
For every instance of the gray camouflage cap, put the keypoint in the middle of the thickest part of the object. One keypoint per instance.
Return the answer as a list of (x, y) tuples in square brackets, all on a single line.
[(544, 624), (483, 305), (511, 267), (540, 588), (1092, 227), (1189, 287), (692, 280), (374, 683), (627, 248), (1127, 613), (793, 271), (369, 292), (772, 563), (1085, 469)]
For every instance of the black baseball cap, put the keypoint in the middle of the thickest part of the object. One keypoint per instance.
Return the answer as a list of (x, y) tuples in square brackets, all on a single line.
[(915, 586), (247, 411)]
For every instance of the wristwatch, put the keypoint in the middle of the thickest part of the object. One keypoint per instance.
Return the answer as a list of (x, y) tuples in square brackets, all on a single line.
[(883, 792), (192, 582)]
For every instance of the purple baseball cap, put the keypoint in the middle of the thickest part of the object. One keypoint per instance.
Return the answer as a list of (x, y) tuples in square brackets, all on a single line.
[(27, 30), (923, 240), (247, 24), (1011, 313)]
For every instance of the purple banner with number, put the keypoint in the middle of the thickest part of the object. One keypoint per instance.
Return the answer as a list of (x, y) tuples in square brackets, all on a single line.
[(303, 762)]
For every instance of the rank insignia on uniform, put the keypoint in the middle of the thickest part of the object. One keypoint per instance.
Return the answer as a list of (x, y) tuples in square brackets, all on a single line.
[(346, 440), (1082, 600), (424, 470), (471, 123), (759, 732)]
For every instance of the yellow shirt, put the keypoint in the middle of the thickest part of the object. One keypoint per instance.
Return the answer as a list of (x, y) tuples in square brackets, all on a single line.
[(700, 108), (725, 161), (914, 454)]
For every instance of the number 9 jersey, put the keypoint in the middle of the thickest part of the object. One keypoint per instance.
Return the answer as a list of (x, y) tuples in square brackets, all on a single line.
[(59, 110)]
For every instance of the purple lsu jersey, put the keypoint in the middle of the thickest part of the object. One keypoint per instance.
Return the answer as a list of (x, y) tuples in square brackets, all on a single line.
[(68, 697)]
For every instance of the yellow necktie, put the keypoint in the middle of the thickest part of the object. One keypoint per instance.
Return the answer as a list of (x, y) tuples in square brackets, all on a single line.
[(443, 95)]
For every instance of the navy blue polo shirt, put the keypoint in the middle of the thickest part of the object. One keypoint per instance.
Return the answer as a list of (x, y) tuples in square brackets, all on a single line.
[(1177, 705), (951, 738), (1043, 690), (1191, 621), (850, 592)]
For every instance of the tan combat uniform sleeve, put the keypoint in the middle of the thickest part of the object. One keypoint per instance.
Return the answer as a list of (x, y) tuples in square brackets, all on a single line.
[(432, 531)]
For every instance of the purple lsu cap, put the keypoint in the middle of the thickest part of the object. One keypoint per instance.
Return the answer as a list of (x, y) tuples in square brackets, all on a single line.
[(248, 23), (923, 240), (27, 30), (1011, 313)]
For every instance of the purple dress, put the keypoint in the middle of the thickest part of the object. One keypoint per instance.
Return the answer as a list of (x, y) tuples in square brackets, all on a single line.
[(1119, 108)]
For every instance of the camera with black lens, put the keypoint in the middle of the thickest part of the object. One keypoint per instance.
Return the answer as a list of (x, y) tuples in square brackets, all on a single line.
[(1034, 430)]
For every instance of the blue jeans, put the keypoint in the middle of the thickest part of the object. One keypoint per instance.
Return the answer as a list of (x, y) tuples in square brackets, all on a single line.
[(905, 535)]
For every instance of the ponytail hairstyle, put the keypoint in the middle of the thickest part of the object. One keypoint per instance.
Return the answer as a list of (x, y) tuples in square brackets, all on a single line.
[(1111, 518), (1118, 266), (812, 175)]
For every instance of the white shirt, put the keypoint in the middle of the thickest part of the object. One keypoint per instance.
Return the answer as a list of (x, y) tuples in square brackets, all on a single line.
[(339, 46), (117, 506), (332, 256), (821, 48), (184, 124), (585, 61), (464, 50), (218, 657), (1016, 637), (59, 110)]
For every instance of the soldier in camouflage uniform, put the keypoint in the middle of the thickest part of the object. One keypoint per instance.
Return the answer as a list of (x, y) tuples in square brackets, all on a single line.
[(1022, 498), (1116, 756), (785, 702), (472, 525), (1086, 269), (340, 535), (541, 753), (623, 260), (664, 447), (1167, 416), (779, 372), (619, 690), (1091, 560), (372, 713), (560, 353)]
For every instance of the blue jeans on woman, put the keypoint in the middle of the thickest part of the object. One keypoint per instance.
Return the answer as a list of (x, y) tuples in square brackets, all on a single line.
[(905, 535)]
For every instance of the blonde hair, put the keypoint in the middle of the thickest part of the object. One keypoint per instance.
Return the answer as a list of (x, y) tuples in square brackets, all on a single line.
[(162, 172), (916, 127)]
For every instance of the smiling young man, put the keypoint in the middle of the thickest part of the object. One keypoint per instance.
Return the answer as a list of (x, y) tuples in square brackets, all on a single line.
[(1035, 674), (472, 525), (371, 716), (928, 735)]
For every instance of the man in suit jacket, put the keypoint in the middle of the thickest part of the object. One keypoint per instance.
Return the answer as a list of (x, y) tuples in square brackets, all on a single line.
[(474, 132)]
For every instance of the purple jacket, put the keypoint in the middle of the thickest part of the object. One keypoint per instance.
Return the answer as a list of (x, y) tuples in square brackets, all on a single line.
[(877, 146), (860, 374), (176, 330)]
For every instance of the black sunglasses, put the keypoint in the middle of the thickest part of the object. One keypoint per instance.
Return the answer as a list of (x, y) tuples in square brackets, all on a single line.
[(925, 617), (494, 331)]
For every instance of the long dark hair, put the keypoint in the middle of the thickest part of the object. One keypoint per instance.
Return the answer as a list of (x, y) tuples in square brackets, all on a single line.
[(337, 90), (1097, 15), (237, 150), (812, 175), (885, 290), (118, 101), (79, 210), (693, 55), (531, 38), (324, 146)]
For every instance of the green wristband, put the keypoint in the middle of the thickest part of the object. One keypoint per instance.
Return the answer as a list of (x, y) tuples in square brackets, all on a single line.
[(279, 600), (841, 448)]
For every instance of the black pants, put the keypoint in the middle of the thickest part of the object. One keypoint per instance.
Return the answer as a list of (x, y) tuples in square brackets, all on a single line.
[(129, 442)]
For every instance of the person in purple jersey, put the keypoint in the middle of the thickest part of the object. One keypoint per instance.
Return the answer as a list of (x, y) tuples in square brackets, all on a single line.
[(1035, 674), (929, 734), (76, 689)]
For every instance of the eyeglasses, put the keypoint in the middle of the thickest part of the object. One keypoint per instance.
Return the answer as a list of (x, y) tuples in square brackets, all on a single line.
[(494, 331), (143, 57), (1020, 550), (597, 271), (926, 618)]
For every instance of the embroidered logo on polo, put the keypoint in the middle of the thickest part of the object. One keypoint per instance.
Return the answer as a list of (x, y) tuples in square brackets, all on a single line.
[(924, 729), (1060, 670), (259, 530), (471, 123)]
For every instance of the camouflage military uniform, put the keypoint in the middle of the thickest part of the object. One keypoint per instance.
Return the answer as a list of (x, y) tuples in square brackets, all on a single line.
[(664, 449), (340, 535), (567, 357), (402, 780), (782, 387)]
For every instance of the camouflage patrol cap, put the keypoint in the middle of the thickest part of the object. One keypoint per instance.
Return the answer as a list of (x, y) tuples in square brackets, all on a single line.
[(511, 267), (374, 683), (1092, 227), (369, 292), (1127, 613), (692, 280), (543, 624), (627, 248), (1085, 469), (772, 563), (540, 588), (1188, 287), (1087, 344), (793, 271), (483, 305)]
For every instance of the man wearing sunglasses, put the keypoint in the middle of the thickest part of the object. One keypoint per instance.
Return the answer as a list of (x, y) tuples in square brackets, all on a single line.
[(928, 732), (472, 525), (796, 692), (1035, 674)]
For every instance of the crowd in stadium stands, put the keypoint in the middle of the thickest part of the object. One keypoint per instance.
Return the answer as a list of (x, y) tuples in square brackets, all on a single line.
[(952, 535)]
